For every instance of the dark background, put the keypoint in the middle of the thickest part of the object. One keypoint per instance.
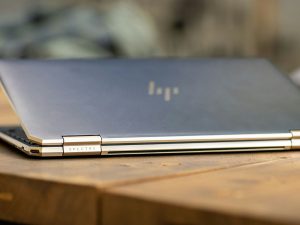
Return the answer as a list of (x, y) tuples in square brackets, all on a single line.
[(152, 28)]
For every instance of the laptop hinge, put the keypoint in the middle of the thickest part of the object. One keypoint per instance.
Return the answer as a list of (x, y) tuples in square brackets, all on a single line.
[(82, 145), (295, 139)]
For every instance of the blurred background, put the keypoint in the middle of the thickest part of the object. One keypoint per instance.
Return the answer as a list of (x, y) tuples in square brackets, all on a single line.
[(145, 28)]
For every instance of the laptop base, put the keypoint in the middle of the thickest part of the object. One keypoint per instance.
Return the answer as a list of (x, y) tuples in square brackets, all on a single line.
[(17, 137)]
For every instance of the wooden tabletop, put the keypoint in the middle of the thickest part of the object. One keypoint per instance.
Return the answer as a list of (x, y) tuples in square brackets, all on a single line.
[(240, 188)]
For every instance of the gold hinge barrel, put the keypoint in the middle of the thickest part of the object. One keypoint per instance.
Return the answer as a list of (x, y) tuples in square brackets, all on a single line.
[(295, 139), (82, 145)]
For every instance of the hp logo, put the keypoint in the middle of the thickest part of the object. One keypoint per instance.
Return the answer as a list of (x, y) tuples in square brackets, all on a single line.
[(166, 92)]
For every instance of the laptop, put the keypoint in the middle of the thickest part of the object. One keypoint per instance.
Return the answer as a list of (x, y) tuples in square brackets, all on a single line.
[(149, 106)]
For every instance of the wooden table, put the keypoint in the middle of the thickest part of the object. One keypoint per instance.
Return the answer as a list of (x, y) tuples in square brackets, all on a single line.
[(241, 188)]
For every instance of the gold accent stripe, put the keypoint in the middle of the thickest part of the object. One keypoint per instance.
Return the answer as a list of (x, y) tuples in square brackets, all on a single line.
[(197, 138)]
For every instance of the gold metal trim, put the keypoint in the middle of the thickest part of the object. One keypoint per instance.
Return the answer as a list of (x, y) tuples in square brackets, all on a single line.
[(196, 138), (181, 147), (295, 139), (49, 142), (192, 151), (82, 145)]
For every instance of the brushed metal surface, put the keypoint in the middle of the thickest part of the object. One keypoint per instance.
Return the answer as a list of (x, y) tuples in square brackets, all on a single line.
[(110, 98)]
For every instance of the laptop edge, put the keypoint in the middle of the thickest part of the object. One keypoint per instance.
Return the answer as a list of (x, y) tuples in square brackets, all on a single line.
[(96, 145)]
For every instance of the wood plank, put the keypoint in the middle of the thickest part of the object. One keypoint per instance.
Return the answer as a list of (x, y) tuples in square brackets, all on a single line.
[(260, 193), (31, 201), (52, 176)]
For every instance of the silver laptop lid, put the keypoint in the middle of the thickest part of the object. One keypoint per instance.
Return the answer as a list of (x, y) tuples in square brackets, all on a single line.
[(151, 97)]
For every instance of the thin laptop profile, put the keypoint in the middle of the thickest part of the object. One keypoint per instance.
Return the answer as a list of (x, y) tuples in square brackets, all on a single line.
[(149, 106)]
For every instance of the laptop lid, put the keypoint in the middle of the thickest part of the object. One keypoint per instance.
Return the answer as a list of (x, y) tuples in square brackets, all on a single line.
[(149, 97)]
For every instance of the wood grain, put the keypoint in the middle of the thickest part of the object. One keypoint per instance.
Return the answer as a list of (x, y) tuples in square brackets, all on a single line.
[(101, 174), (32, 201), (260, 193)]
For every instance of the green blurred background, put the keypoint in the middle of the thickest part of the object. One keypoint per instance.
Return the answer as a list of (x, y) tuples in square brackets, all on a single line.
[(149, 28)]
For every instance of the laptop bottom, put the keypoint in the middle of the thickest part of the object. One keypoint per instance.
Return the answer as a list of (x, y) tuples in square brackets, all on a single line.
[(17, 137)]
